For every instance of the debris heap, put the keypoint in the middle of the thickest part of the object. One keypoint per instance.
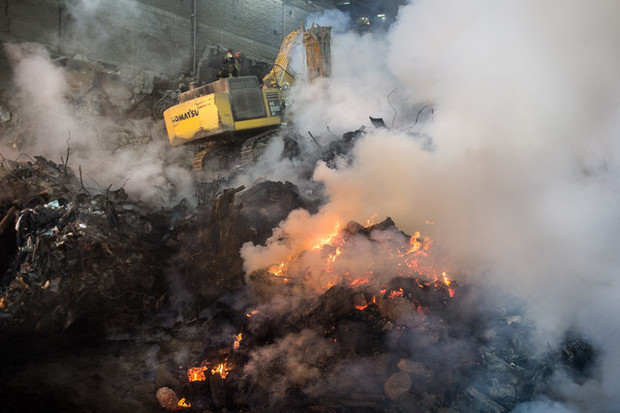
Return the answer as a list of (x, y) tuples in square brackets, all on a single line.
[(108, 304), (73, 259)]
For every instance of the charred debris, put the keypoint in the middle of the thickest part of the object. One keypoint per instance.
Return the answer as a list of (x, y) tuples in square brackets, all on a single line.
[(108, 304)]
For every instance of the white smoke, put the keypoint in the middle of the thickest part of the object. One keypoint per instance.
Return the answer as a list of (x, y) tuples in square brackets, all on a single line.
[(103, 30), (339, 21), (522, 183), (50, 124), (358, 87)]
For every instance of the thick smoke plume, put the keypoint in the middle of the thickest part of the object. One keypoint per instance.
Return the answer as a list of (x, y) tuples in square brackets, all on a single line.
[(49, 124), (521, 179)]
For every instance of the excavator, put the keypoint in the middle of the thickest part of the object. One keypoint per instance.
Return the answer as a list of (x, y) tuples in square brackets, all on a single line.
[(231, 119)]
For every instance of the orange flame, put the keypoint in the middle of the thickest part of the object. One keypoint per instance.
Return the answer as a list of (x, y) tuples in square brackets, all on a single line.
[(196, 374), (397, 293), (237, 342), (182, 403), (367, 303), (332, 257), (359, 281), (371, 220), (222, 369), (410, 260), (277, 270), (447, 282), (328, 240)]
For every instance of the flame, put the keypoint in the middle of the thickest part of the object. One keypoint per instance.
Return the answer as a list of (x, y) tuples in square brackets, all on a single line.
[(237, 342), (281, 269), (332, 257), (328, 240), (278, 270), (222, 369), (182, 403), (371, 220), (397, 293), (414, 244), (356, 282), (250, 314), (447, 282), (196, 374), (411, 260)]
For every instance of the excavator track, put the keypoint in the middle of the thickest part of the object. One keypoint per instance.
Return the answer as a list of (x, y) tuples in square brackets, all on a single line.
[(219, 156), (255, 146), (213, 156), (197, 164)]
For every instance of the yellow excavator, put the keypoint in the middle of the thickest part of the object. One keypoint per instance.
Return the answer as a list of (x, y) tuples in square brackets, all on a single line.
[(230, 117)]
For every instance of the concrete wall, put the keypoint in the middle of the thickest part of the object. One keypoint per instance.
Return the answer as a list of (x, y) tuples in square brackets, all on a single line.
[(152, 34)]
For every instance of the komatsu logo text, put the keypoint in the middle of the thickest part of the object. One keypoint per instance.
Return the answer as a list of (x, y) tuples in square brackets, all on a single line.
[(189, 114)]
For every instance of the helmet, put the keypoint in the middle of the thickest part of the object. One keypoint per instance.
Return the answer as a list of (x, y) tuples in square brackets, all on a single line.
[(237, 54)]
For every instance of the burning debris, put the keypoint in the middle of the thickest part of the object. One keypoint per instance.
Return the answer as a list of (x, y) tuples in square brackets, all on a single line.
[(380, 343), (328, 329), (364, 319)]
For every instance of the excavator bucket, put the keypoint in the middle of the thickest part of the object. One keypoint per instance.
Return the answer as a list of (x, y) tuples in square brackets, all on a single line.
[(317, 42)]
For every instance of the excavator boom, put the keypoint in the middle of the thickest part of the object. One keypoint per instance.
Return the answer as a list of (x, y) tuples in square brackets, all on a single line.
[(316, 41), (280, 76)]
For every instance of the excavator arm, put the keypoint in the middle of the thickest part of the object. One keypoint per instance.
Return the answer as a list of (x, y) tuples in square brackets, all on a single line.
[(316, 42), (280, 77)]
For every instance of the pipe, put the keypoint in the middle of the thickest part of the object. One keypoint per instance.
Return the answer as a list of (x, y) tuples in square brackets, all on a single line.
[(194, 37)]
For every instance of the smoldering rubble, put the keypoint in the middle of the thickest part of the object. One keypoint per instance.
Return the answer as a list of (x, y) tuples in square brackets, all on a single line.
[(110, 304)]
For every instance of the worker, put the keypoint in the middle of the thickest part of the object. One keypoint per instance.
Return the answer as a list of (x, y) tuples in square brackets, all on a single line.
[(238, 63), (229, 68)]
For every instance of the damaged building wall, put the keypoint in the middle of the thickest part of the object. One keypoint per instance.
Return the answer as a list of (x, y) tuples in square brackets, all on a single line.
[(154, 35)]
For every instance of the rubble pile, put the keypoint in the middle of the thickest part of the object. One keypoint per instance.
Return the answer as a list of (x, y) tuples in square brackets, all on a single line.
[(72, 254), (405, 345), (88, 274), (81, 260), (207, 239), (111, 304), (120, 105)]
